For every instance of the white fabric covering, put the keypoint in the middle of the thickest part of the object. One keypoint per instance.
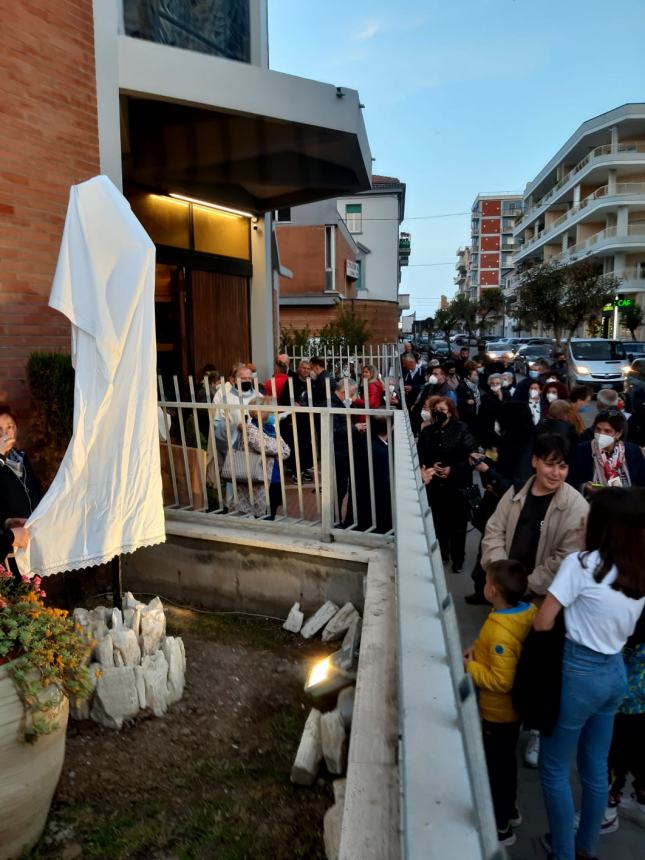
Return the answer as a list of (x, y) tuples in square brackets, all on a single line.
[(106, 497)]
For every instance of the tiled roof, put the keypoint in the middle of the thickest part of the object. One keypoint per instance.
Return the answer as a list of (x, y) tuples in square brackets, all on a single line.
[(385, 180)]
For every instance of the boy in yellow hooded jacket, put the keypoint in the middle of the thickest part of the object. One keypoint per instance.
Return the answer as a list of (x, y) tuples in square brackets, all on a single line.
[(491, 662)]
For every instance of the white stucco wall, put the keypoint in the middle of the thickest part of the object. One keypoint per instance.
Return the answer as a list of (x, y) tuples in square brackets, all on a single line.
[(381, 235)]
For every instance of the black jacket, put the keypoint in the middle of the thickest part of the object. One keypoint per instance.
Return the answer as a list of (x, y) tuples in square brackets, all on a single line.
[(6, 543), (449, 445), (18, 496), (319, 388), (581, 465), (538, 678)]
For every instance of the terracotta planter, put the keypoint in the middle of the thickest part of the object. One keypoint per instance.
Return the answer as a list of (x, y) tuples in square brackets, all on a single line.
[(30, 772)]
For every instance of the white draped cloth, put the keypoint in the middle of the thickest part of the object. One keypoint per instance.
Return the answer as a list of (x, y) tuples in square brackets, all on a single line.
[(106, 498)]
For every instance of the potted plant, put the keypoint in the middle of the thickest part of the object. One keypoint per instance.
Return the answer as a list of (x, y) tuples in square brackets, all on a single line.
[(43, 662)]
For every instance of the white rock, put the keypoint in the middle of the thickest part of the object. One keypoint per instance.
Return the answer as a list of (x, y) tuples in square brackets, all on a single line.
[(116, 697), (127, 645), (118, 659), (294, 619), (104, 651), (155, 675), (353, 635), (173, 653), (116, 618), (81, 711), (340, 623), (153, 626), (97, 623), (82, 617), (332, 826), (318, 620), (141, 686), (340, 787), (332, 735), (183, 654), (132, 619), (309, 755), (345, 706), (129, 600)]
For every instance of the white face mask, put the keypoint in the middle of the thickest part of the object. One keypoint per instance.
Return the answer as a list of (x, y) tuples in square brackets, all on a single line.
[(534, 394), (495, 388), (433, 379), (551, 396), (347, 402), (425, 415), (313, 375), (506, 383), (551, 379), (603, 440)]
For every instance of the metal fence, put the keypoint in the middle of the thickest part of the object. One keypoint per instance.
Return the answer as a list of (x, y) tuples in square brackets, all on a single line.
[(446, 805), (327, 468), (348, 361)]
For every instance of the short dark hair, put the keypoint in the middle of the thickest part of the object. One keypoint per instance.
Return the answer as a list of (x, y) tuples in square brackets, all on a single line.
[(551, 446), (317, 360), (580, 392), (469, 366), (510, 578), (613, 417), (5, 409)]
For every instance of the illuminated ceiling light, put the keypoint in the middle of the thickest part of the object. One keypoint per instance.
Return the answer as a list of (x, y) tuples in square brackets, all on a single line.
[(211, 205)]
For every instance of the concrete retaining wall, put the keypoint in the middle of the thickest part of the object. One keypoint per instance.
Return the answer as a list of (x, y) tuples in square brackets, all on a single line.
[(221, 575)]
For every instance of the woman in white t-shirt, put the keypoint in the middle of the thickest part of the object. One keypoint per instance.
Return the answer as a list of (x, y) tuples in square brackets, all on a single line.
[(602, 591)]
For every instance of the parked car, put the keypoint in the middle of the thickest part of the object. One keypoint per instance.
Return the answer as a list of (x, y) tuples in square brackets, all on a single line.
[(546, 341), (440, 347), (634, 349), (528, 353), (597, 362), (459, 340), (635, 384)]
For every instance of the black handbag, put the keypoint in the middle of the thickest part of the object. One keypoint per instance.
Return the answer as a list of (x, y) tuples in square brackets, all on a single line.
[(472, 497)]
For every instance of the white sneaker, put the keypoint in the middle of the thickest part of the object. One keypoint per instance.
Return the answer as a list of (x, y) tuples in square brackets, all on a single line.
[(632, 810), (610, 822), (532, 750)]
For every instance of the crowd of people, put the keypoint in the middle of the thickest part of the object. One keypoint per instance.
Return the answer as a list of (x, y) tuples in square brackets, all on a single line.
[(558, 502), (248, 437)]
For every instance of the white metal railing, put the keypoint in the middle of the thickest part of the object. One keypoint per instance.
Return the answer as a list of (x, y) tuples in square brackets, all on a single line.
[(635, 230), (599, 151), (347, 361), (446, 807), (327, 468)]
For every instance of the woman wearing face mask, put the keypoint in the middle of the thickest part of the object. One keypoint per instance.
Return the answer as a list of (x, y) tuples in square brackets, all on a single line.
[(552, 391), (469, 396), (428, 407), (535, 402), (607, 461), (375, 389), (488, 424), (452, 380), (444, 447), (508, 382), (260, 436)]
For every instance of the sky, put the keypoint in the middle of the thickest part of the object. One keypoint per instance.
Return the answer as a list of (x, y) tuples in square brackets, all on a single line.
[(463, 96)]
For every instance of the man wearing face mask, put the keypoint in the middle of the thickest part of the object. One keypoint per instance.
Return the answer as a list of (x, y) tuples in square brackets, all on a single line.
[(607, 461), (238, 390), (538, 372), (444, 447), (469, 397), (488, 430), (319, 376)]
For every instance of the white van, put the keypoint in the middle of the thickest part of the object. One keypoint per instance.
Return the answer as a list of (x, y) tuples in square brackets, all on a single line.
[(597, 362)]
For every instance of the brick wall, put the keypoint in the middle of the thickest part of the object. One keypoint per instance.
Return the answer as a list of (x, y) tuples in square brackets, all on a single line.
[(49, 141), (382, 318)]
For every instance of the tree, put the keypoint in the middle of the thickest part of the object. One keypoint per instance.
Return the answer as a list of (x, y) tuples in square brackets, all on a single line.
[(294, 337), (347, 329), (465, 310), (445, 320), (491, 304), (562, 297), (632, 317)]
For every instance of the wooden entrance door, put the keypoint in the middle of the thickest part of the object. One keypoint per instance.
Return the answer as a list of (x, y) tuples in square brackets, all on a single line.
[(221, 320)]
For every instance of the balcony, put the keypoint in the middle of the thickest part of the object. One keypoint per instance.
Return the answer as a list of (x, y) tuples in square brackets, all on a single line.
[(611, 238), (590, 159), (405, 241), (623, 190)]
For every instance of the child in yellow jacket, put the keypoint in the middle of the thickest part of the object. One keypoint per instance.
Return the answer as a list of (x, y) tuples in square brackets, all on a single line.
[(491, 662)]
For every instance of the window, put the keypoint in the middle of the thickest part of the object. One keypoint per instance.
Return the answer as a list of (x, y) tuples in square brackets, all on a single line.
[(330, 259), (354, 217), (358, 283), (507, 224), (283, 216)]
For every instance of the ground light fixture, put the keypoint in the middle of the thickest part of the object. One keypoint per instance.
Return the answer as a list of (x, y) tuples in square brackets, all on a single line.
[(329, 675), (210, 205)]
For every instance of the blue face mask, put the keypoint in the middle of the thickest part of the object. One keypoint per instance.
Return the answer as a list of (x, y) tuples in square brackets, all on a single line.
[(533, 374), (583, 409)]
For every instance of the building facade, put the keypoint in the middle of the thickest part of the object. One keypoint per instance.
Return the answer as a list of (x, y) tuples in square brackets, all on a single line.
[(346, 253), (179, 108), (461, 279), (492, 242), (589, 201)]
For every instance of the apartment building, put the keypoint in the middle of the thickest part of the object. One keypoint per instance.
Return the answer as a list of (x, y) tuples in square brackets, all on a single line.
[(463, 268), (492, 241), (589, 201), (177, 105)]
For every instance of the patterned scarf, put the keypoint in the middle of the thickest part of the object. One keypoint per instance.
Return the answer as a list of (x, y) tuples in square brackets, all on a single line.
[(474, 387), (610, 469), (14, 460)]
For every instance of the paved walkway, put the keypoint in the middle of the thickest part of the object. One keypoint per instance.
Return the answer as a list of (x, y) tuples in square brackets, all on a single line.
[(627, 843)]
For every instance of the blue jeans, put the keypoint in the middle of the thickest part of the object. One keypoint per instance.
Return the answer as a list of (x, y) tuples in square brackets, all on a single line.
[(593, 686)]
